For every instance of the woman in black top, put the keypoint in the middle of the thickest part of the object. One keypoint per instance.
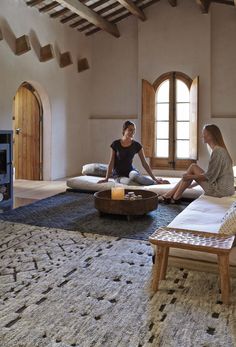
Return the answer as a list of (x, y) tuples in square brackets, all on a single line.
[(121, 166)]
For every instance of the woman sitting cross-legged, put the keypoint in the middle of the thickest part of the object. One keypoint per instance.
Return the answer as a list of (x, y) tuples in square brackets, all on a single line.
[(120, 166), (218, 180)]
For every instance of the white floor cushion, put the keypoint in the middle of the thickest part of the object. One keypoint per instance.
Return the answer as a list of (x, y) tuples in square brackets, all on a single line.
[(89, 183)]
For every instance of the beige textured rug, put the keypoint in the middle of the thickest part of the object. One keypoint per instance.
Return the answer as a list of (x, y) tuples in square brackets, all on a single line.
[(64, 288)]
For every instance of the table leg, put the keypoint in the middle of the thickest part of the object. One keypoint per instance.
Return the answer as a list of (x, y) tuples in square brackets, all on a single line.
[(164, 262), (223, 261), (157, 267)]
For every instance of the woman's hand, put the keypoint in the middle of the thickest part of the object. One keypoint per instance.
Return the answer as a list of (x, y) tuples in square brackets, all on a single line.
[(103, 181), (110, 167), (160, 180)]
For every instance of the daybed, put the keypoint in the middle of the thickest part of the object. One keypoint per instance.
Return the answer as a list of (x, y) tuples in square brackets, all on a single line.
[(208, 214)]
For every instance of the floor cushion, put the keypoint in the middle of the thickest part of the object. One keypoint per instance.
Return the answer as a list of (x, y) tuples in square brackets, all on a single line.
[(89, 183), (95, 169)]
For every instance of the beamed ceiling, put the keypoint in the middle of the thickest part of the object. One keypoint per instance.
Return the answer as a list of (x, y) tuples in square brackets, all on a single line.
[(91, 16)]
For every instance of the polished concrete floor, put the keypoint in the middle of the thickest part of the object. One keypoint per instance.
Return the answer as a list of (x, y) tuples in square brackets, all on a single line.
[(26, 192)]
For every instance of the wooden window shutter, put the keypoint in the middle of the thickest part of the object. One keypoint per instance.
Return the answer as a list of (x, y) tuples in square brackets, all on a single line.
[(194, 91), (148, 118)]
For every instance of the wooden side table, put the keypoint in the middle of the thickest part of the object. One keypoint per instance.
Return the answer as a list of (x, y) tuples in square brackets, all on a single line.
[(164, 238)]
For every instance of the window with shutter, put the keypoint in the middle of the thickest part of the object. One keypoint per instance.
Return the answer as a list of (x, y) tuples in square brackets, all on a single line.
[(170, 121)]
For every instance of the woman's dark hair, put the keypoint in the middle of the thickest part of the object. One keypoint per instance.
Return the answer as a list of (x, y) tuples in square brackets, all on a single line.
[(216, 135), (126, 124)]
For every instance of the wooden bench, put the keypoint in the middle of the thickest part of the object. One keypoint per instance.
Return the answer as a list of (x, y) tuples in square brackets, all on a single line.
[(221, 245)]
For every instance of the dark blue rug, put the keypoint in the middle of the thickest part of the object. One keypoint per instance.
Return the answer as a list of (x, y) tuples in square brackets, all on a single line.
[(76, 211)]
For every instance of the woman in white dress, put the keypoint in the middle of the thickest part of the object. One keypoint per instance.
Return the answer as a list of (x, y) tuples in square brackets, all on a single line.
[(217, 180)]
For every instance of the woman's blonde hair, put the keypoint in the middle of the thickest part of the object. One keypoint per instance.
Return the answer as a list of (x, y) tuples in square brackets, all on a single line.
[(216, 135)]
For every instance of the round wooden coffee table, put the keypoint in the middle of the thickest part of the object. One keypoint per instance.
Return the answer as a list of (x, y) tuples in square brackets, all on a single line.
[(105, 205)]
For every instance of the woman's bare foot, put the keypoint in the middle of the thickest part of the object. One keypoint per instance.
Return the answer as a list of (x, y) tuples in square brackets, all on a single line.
[(162, 199)]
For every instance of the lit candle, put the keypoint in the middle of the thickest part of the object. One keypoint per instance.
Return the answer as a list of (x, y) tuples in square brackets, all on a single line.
[(117, 193)]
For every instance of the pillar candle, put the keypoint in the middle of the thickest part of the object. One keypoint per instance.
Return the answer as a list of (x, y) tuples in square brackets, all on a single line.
[(117, 193)]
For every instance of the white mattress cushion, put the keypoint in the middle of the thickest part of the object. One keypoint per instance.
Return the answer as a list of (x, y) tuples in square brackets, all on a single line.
[(203, 214), (89, 183)]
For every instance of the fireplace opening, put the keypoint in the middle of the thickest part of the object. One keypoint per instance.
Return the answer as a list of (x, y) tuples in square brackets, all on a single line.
[(3, 162), (6, 179)]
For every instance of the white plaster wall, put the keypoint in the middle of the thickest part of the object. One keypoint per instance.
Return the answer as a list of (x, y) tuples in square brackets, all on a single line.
[(114, 87), (115, 71), (172, 39), (177, 39), (67, 90), (223, 29), (103, 133)]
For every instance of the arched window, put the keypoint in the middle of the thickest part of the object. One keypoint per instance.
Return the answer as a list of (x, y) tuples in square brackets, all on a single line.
[(170, 121)]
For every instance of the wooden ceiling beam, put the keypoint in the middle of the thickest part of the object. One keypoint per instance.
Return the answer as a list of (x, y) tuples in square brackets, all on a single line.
[(173, 3), (125, 15), (59, 13), (34, 2), (224, 2), (84, 12), (49, 7), (204, 5), (97, 4), (147, 4), (70, 17), (132, 8), (92, 7), (95, 30), (103, 10), (107, 16), (75, 24)]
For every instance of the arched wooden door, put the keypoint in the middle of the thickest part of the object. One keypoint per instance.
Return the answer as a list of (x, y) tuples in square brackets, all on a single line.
[(27, 124)]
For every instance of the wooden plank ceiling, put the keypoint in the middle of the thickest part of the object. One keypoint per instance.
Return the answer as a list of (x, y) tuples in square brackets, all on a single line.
[(91, 16)]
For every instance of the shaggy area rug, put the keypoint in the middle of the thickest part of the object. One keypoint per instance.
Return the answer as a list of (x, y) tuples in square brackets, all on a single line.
[(76, 211), (66, 288)]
